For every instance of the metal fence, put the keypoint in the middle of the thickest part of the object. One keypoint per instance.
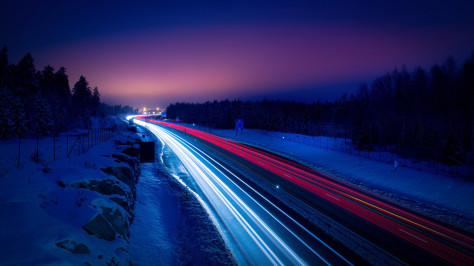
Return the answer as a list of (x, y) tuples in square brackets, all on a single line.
[(346, 146), (46, 149)]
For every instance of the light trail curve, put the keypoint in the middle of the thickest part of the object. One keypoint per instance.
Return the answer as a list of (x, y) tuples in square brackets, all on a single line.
[(260, 233)]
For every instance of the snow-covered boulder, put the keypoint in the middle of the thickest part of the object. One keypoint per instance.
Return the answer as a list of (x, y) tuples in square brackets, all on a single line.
[(104, 187), (132, 162), (115, 212), (110, 222), (123, 174), (74, 247)]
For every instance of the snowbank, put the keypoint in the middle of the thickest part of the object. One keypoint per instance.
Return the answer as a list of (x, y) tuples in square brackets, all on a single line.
[(49, 207)]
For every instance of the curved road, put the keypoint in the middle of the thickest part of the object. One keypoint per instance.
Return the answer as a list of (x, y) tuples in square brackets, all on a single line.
[(408, 236), (259, 232)]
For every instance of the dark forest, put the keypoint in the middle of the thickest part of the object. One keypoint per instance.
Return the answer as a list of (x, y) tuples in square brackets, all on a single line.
[(423, 114), (41, 103)]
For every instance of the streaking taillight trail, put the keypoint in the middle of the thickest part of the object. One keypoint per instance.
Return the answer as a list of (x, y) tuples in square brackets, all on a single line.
[(409, 226), (263, 234)]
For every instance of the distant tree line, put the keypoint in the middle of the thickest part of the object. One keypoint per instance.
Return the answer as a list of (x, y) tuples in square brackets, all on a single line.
[(421, 114), (40, 103)]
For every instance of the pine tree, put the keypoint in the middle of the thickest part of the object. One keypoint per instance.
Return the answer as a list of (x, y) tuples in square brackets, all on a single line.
[(59, 118), (43, 118), (19, 123), (62, 81), (26, 78), (5, 114), (81, 98), (48, 82), (95, 102), (81, 93), (3, 66)]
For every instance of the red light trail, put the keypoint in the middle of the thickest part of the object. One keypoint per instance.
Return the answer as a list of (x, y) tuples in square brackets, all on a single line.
[(437, 239)]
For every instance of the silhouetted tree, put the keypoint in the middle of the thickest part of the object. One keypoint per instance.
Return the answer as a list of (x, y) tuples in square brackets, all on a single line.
[(415, 114), (43, 123), (95, 104), (3, 67), (19, 123), (5, 114), (81, 99)]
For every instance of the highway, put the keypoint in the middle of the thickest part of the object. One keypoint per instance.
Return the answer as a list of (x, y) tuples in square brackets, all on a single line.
[(259, 232), (279, 237)]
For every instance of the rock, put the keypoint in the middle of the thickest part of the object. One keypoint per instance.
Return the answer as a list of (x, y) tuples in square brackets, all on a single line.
[(127, 205), (73, 247), (123, 174), (118, 220), (104, 187), (109, 224), (133, 163), (100, 227), (112, 262)]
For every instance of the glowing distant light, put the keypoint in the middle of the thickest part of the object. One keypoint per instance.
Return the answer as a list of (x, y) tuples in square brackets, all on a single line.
[(277, 186), (144, 109), (157, 108)]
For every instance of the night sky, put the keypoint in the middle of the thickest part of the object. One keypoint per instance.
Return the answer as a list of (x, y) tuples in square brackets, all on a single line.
[(155, 53)]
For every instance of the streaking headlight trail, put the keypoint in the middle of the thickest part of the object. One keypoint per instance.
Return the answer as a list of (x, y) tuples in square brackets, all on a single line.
[(256, 235)]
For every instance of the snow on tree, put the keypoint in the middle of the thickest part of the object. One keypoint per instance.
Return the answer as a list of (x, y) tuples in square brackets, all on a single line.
[(43, 117), (5, 114), (19, 123), (59, 118)]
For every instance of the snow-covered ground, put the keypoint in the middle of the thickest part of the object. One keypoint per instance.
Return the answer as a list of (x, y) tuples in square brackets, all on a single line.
[(447, 199), (43, 214), (44, 206)]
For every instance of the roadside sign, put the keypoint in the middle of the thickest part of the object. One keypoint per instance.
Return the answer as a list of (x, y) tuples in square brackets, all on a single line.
[(239, 125)]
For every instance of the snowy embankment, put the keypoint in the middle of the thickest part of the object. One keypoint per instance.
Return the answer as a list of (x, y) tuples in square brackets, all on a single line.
[(444, 198), (73, 210)]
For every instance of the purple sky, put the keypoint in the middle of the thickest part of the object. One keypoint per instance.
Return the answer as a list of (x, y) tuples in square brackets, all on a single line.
[(155, 54)]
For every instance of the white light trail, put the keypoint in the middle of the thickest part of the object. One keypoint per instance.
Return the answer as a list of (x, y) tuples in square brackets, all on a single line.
[(244, 223)]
